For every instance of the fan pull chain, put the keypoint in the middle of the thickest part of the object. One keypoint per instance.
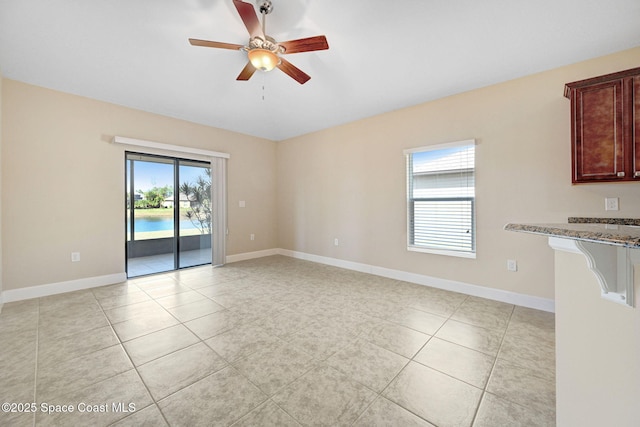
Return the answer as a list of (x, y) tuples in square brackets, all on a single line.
[(263, 92)]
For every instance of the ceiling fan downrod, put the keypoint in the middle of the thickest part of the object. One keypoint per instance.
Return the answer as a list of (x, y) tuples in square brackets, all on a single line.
[(265, 7)]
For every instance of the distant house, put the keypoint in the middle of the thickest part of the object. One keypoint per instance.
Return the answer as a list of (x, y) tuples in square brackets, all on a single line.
[(184, 202)]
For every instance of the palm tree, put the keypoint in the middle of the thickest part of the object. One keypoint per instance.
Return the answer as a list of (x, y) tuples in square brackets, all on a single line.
[(199, 196)]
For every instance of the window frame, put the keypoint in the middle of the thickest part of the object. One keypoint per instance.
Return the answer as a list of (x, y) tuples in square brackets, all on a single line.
[(410, 201)]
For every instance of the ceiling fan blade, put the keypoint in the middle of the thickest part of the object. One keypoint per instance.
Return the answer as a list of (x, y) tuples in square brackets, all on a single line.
[(208, 43), (294, 72), (305, 45), (246, 72), (249, 17)]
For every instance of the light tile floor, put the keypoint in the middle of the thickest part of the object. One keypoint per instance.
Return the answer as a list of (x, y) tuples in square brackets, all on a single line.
[(275, 342), (153, 264)]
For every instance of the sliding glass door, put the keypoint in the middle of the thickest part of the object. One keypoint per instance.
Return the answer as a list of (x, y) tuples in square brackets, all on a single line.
[(168, 213), (194, 226)]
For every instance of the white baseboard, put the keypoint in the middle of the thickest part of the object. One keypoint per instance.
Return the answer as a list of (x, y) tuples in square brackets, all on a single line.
[(435, 282), (251, 255), (335, 262), (529, 301), (61, 287)]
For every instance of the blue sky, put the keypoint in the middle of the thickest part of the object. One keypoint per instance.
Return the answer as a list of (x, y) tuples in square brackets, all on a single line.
[(151, 174)]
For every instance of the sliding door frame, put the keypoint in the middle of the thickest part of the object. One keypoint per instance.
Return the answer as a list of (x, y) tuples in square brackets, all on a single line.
[(218, 161)]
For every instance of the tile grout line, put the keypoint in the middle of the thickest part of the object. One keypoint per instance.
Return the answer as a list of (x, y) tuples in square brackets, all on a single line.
[(380, 395), (230, 363), (270, 397), (307, 296), (132, 364), (200, 340), (493, 367), (495, 358)]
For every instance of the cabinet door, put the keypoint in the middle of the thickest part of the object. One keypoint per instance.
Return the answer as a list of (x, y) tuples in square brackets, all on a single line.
[(635, 127), (598, 140)]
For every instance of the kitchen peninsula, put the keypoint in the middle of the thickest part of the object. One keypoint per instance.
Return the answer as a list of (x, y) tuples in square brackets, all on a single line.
[(597, 304)]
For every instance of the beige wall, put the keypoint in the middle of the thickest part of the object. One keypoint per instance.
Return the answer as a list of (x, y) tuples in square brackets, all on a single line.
[(63, 183), (1, 299), (348, 182), (597, 350)]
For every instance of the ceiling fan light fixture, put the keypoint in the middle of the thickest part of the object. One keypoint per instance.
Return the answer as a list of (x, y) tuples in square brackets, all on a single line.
[(263, 59), (265, 52)]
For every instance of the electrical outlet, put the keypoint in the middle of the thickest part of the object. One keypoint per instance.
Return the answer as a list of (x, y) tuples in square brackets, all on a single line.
[(611, 204), (75, 256), (512, 265), (336, 242), (252, 236)]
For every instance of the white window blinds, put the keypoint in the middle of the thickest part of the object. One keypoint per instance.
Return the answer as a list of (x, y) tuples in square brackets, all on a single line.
[(441, 198)]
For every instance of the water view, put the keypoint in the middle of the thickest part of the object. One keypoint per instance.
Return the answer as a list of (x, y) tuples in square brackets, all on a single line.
[(158, 223), (157, 189)]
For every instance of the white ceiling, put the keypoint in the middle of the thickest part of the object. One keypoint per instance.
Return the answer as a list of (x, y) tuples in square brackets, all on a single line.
[(384, 55)]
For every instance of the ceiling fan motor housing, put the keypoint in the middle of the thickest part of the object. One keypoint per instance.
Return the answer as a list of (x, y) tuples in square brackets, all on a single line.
[(265, 6), (268, 43)]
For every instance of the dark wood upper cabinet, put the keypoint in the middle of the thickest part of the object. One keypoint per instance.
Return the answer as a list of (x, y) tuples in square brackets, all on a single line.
[(605, 127), (635, 120)]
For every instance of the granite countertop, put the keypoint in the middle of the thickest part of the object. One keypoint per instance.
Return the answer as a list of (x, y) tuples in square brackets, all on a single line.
[(618, 221), (610, 231)]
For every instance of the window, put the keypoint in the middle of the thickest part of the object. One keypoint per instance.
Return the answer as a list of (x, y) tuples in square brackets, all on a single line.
[(441, 199)]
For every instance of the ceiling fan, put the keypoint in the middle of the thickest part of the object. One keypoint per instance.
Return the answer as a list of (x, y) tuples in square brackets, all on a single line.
[(264, 51)]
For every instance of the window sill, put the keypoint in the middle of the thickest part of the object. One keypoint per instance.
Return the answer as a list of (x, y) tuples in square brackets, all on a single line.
[(470, 255)]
